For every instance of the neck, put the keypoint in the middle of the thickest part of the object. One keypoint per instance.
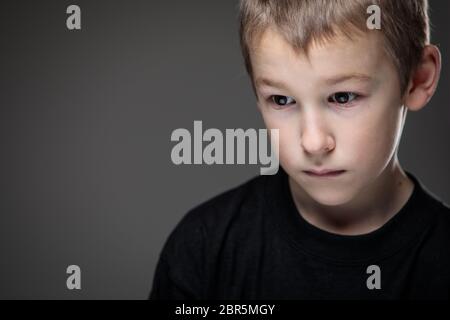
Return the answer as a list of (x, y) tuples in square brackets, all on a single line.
[(368, 211)]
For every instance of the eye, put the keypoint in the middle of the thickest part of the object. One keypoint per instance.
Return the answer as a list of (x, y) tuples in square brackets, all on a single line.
[(343, 97), (281, 100)]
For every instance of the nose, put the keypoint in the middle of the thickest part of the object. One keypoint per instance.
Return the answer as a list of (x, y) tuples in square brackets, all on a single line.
[(316, 138)]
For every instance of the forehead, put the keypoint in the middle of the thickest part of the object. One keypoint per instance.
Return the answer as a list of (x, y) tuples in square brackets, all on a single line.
[(273, 57)]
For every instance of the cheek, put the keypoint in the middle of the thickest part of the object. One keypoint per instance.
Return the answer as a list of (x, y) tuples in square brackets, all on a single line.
[(374, 140), (289, 138), (290, 148)]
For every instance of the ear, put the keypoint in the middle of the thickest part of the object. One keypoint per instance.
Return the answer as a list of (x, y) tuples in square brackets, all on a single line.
[(424, 79)]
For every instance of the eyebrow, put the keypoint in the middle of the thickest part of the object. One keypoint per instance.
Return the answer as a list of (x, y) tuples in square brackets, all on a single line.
[(354, 76), (330, 81)]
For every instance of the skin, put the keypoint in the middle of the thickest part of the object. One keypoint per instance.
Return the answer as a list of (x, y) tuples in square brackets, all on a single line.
[(360, 136)]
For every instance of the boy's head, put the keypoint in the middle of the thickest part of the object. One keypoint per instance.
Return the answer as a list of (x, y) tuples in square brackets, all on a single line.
[(338, 91)]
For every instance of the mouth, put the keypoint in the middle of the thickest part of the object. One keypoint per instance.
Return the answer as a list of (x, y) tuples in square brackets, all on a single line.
[(324, 173)]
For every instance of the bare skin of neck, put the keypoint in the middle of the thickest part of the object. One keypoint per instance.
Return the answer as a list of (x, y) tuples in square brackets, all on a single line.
[(367, 212)]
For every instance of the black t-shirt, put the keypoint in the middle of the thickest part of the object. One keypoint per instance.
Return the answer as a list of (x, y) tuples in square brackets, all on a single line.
[(251, 243)]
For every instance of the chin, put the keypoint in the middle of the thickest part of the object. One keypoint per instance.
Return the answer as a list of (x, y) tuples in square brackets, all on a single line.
[(328, 197)]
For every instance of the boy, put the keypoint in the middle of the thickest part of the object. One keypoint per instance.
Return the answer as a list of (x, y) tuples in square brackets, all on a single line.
[(341, 219)]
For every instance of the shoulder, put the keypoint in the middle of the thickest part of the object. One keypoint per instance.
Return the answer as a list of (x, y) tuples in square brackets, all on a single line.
[(231, 200), (430, 203), (442, 210), (213, 218), (439, 207), (434, 243), (217, 213), (187, 259), (438, 237)]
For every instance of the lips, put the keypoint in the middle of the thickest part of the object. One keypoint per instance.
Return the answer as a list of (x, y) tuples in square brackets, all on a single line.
[(324, 172)]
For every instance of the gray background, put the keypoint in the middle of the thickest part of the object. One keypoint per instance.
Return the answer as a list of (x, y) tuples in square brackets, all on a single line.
[(86, 118)]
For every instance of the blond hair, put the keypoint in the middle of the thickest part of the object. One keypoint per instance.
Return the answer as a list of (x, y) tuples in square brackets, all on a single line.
[(404, 25)]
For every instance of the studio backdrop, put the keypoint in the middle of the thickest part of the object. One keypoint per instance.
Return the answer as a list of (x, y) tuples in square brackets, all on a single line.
[(88, 107)]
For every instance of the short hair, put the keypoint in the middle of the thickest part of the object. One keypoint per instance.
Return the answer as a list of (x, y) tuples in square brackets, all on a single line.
[(404, 26)]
